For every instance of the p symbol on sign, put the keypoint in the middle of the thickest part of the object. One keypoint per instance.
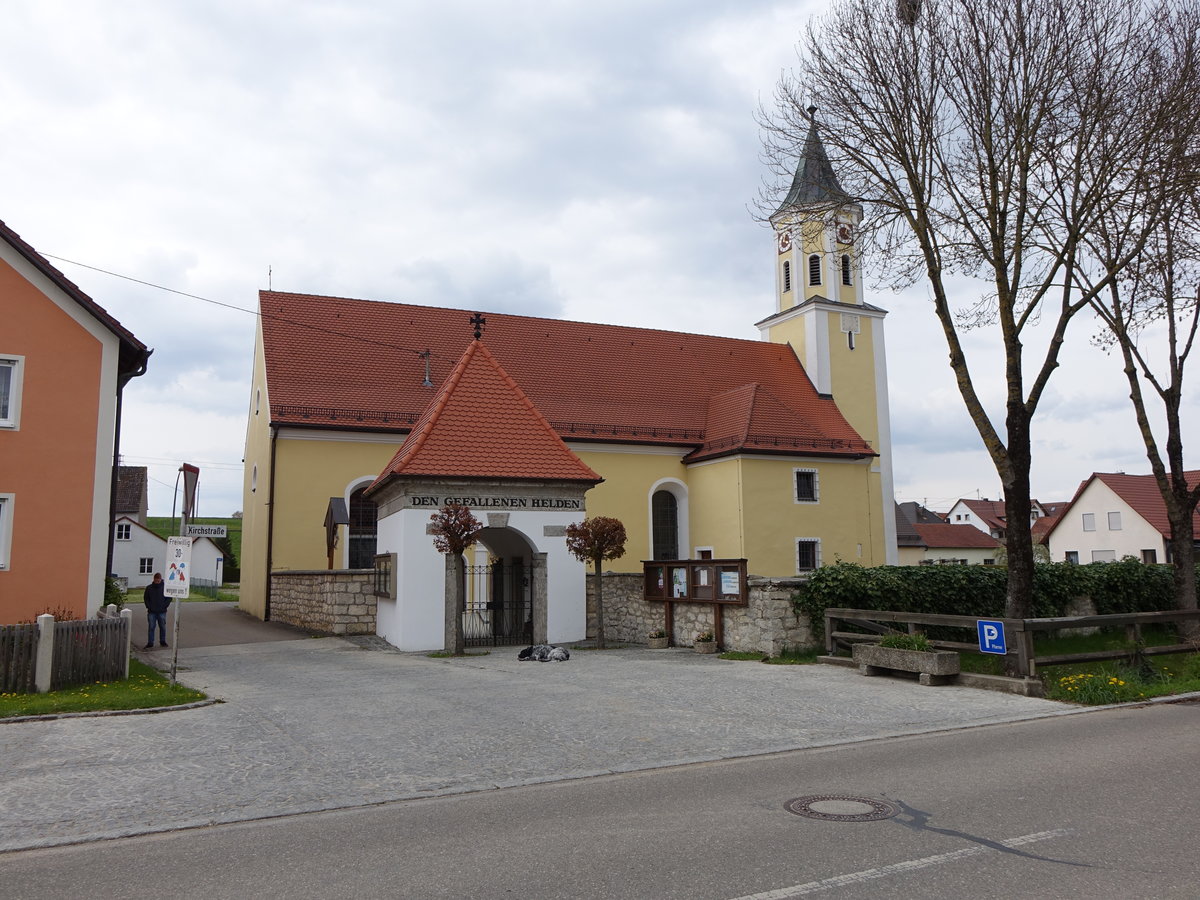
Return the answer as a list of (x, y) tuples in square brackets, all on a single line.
[(991, 637)]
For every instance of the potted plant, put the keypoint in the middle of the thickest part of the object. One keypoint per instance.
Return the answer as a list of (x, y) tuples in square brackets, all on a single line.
[(907, 653), (706, 642), (657, 639)]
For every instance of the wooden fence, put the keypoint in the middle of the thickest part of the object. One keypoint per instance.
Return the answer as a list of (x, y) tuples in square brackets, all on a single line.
[(50, 655), (1019, 633), (18, 658), (90, 650)]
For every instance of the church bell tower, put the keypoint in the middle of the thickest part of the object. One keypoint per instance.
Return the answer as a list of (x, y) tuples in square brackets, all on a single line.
[(820, 309)]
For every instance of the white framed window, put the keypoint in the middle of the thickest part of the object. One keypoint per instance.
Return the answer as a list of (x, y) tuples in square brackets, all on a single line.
[(1150, 556), (807, 486), (123, 531), (1104, 556), (1089, 521), (1114, 521), (11, 371), (787, 276), (146, 565), (1071, 556), (846, 272), (6, 528), (808, 554)]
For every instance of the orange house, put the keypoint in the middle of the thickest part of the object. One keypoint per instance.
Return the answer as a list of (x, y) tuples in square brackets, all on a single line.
[(63, 364)]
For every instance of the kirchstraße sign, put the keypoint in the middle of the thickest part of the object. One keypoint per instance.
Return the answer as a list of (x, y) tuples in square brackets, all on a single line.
[(208, 531)]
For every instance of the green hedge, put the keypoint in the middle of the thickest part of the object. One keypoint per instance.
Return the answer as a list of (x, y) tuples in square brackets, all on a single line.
[(1115, 587)]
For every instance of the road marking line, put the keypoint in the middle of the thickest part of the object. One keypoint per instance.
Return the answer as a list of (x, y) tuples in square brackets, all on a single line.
[(911, 865)]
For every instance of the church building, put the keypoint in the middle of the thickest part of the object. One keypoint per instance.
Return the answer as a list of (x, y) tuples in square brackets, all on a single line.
[(776, 451)]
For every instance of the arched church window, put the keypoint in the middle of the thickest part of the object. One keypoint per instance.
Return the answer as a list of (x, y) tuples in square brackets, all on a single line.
[(787, 275), (814, 269), (362, 531), (846, 279), (664, 521)]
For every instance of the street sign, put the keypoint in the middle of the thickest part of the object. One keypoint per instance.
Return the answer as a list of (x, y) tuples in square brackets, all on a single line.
[(208, 531), (991, 637), (179, 567)]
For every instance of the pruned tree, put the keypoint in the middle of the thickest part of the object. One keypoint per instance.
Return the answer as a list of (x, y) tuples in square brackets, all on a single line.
[(595, 540), (983, 139), (1150, 307), (454, 529)]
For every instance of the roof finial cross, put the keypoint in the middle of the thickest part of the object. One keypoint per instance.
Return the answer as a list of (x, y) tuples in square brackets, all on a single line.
[(478, 321)]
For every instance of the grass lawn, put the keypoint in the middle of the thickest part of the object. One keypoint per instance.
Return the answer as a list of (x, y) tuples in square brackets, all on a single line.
[(791, 656), (1105, 681), (146, 688)]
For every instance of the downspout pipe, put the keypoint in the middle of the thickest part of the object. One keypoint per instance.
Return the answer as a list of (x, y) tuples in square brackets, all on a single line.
[(123, 379), (270, 524)]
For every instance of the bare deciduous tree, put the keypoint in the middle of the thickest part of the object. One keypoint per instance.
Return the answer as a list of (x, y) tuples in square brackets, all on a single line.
[(983, 139), (1159, 288)]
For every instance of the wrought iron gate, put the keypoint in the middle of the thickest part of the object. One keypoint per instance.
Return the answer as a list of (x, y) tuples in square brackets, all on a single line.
[(498, 605)]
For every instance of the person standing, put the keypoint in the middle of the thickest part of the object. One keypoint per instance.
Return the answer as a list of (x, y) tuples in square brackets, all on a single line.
[(157, 603)]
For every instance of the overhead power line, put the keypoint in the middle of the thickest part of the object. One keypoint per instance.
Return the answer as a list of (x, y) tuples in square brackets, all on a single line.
[(277, 318)]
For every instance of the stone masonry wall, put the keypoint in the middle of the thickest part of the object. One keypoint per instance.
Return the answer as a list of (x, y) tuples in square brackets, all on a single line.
[(337, 601), (767, 624)]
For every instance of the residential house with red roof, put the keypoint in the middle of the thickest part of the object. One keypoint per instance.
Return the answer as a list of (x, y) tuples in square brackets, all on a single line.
[(1112, 516), (989, 516), (63, 364), (775, 450)]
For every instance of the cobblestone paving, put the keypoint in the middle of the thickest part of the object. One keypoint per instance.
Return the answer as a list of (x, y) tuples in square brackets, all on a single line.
[(321, 724)]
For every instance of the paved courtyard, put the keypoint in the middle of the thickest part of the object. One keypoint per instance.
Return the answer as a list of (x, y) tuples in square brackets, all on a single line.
[(313, 724)]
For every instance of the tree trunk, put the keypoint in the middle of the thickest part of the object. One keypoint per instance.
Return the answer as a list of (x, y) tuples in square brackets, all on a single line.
[(599, 607), (1183, 559), (1018, 538), (454, 590)]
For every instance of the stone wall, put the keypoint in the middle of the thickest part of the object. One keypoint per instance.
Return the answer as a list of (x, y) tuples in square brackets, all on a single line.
[(336, 601), (767, 624)]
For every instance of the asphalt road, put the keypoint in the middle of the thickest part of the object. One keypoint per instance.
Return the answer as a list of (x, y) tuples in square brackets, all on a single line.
[(1100, 805)]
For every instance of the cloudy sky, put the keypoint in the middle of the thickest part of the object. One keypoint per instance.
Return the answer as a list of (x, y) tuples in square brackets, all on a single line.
[(592, 161)]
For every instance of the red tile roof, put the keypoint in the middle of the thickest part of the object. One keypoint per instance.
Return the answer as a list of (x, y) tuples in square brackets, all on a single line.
[(990, 512), (1142, 494), (943, 537), (339, 363), (481, 424)]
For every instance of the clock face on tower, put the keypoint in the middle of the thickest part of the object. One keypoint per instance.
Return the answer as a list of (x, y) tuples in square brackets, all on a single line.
[(785, 241), (845, 233)]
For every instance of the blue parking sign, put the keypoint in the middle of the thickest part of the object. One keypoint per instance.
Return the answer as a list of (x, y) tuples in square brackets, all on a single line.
[(991, 636)]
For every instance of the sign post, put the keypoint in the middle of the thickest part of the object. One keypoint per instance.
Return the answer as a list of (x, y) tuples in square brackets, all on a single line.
[(179, 557)]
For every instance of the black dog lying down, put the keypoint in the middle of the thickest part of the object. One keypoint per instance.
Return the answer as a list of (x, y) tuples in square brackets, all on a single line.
[(544, 653)]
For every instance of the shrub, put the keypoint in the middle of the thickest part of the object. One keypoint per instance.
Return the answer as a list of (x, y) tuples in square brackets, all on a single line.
[(916, 641)]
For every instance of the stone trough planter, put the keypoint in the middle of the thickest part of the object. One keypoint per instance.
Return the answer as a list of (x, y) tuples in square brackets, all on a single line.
[(932, 666), (657, 643), (705, 646)]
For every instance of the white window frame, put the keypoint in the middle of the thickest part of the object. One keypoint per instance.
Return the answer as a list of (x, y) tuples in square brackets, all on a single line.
[(787, 276), (124, 531), (1071, 556), (7, 504), (1114, 521), (1104, 556), (16, 364), (145, 565), (817, 554), (816, 497), (814, 269), (1089, 521)]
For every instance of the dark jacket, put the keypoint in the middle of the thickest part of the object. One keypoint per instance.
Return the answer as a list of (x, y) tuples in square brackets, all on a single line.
[(156, 598)]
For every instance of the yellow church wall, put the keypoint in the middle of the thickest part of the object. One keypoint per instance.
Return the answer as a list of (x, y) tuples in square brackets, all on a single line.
[(308, 473), (716, 508), (852, 376), (255, 492), (840, 518), (625, 494)]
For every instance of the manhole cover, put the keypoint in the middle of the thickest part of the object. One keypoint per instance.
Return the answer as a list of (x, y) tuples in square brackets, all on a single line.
[(830, 808)]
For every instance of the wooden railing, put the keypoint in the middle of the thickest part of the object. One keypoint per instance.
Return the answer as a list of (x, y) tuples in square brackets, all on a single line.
[(1019, 633)]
